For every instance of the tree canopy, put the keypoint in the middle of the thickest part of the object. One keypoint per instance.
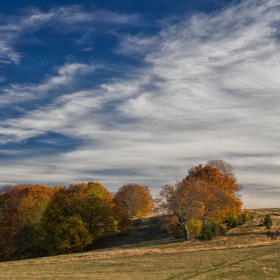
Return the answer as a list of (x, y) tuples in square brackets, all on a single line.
[(37, 220), (21, 210), (77, 216), (133, 201), (206, 193)]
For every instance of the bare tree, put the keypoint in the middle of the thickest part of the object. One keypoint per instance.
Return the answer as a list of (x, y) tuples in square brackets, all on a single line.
[(224, 168)]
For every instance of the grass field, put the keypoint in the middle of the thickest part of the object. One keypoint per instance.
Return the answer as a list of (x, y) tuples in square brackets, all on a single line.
[(243, 253)]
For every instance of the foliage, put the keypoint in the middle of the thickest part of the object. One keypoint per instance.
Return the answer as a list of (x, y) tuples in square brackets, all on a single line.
[(77, 216), (210, 230), (131, 201), (183, 201), (36, 220), (21, 210), (124, 225), (195, 227), (247, 216), (268, 221), (206, 194), (176, 230), (221, 175), (242, 218), (231, 221)]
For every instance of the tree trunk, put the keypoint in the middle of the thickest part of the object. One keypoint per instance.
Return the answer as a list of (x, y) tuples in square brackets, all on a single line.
[(186, 232)]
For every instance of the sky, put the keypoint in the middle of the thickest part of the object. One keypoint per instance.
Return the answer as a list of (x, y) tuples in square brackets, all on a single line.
[(122, 91)]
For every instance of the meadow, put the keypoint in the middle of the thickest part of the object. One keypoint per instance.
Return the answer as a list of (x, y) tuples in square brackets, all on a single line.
[(245, 252)]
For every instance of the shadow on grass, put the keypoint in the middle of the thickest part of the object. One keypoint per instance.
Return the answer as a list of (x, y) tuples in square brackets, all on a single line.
[(144, 232)]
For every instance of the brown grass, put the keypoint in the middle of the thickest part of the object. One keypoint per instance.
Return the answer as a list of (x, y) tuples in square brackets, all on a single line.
[(243, 253)]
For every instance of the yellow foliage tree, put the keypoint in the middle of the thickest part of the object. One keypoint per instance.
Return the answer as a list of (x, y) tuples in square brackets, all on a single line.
[(77, 216)]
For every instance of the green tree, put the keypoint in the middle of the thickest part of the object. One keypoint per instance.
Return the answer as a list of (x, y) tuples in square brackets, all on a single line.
[(268, 222), (211, 229)]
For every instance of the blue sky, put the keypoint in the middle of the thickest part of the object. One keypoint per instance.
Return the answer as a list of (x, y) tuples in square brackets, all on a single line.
[(140, 91)]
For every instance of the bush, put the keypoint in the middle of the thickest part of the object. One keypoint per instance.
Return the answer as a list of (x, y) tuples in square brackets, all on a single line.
[(231, 222), (176, 230), (195, 227), (124, 226), (244, 217), (241, 219), (247, 216), (268, 221), (210, 230)]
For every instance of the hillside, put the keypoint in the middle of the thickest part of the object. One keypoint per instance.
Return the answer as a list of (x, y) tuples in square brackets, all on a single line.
[(245, 252), (149, 232)]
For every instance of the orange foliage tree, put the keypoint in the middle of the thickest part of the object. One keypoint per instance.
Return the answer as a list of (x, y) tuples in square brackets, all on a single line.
[(182, 202), (131, 201), (21, 210), (220, 174), (206, 193)]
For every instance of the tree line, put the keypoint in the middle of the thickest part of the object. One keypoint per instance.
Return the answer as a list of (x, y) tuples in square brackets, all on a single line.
[(37, 220)]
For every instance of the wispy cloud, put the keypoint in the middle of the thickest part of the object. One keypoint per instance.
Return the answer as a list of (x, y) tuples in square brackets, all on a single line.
[(208, 88), (66, 76), (69, 19)]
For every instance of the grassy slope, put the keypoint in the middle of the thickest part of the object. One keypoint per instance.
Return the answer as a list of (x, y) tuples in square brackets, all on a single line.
[(244, 253)]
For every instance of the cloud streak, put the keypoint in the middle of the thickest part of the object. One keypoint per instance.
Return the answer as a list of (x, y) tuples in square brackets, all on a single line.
[(70, 19), (207, 88)]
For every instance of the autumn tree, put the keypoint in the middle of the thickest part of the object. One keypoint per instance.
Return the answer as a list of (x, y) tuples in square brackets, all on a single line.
[(220, 174), (223, 167), (206, 194), (182, 202), (21, 210), (77, 216), (131, 201)]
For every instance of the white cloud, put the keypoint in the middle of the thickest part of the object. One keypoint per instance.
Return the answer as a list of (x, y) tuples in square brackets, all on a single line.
[(209, 90), (69, 19), (68, 74)]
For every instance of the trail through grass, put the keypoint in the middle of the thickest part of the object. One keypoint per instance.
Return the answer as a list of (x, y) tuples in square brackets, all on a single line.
[(244, 263)]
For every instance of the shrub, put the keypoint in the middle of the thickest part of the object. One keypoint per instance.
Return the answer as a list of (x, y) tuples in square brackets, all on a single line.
[(244, 217), (247, 216), (176, 230), (210, 230), (124, 226), (268, 221), (231, 221), (241, 219), (195, 227)]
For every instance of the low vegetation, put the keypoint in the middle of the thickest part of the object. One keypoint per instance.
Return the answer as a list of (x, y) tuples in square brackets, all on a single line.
[(243, 252)]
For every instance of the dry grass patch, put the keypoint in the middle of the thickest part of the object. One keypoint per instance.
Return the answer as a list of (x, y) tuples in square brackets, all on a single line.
[(168, 263), (243, 253)]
